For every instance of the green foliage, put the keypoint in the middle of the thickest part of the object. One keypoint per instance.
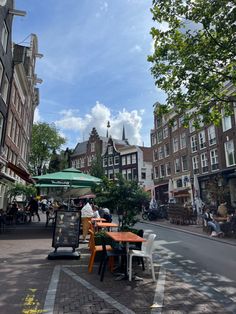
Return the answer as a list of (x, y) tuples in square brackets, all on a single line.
[(59, 161), (195, 56), (96, 169), (19, 189), (123, 197), (45, 140)]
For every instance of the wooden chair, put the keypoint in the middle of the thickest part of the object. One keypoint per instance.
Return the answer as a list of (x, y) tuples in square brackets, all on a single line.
[(94, 249)]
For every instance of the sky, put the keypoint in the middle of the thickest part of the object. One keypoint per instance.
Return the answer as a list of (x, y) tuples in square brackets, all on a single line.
[(94, 67)]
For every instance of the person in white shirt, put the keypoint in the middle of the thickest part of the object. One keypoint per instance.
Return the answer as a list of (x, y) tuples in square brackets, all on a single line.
[(95, 212), (86, 215)]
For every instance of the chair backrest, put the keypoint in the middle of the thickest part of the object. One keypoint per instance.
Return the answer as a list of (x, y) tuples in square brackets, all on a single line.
[(91, 240), (147, 248)]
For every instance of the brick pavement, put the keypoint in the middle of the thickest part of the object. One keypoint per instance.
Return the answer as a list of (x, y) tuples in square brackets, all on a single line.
[(27, 286)]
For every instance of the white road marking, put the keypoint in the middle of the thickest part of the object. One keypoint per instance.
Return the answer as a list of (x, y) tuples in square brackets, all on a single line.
[(52, 290), (158, 301), (99, 293)]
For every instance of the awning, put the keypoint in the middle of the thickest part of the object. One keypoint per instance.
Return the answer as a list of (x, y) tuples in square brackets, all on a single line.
[(20, 172)]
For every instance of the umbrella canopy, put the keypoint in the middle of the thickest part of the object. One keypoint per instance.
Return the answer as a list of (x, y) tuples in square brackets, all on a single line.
[(70, 177), (171, 191), (198, 203)]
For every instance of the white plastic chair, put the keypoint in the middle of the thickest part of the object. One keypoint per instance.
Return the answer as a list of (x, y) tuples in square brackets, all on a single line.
[(146, 252)]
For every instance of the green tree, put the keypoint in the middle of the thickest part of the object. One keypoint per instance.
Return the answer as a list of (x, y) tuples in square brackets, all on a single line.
[(96, 169), (195, 56), (19, 189), (45, 140), (55, 162), (123, 197)]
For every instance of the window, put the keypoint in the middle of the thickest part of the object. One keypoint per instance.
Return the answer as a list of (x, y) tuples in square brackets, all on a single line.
[(175, 144), (202, 139), (229, 153), (168, 169), (158, 122), (159, 136), (182, 140), (4, 37), (4, 90), (212, 135), (175, 125), (110, 161), (110, 174), (89, 159), (204, 162), (123, 161), (110, 150), (82, 162), (226, 123), (161, 152), (165, 132), (191, 126), (156, 172), (134, 159), (195, 162), (162, 171), (153, 139), (155, 155), (143, 175), (181, 121), (92, 147), (177, 165), (194, 143), (124, 174), (129, 175), (128, 159), (184, 163), (116, 160), (179, 183), (214, 159), (1, 126), (166, 149)]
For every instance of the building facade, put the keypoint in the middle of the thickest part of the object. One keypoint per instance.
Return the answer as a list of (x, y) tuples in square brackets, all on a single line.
[(18, 99), (117, 156), (208, 152)]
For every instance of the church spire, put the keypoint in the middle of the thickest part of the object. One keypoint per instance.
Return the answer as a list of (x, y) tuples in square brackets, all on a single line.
[(123, 134)]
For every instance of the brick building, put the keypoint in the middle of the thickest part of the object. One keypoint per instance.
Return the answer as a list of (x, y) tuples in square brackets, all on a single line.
[(208, 152)]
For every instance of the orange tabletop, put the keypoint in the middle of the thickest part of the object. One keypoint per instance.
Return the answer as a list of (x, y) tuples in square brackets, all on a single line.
[(106, 224), (98, 219), (125, 237)]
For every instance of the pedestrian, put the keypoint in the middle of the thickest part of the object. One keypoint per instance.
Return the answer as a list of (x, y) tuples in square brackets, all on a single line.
[(86, 215), (33, 208)]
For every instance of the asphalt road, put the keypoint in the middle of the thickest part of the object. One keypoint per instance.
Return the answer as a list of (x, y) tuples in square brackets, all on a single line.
[(209, 255)]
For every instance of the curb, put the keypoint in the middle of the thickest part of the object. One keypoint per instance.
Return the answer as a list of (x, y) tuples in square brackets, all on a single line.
[(188, 232)]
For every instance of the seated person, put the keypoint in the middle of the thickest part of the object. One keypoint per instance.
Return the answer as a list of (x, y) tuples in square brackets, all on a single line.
[(222, 209), (211, 222), (95, 211), (107, 215)]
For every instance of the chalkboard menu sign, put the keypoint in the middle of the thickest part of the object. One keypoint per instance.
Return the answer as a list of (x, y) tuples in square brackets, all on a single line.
[(66, 229)]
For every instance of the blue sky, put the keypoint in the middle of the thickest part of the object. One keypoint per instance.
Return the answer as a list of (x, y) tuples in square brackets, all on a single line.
[(94, 67)]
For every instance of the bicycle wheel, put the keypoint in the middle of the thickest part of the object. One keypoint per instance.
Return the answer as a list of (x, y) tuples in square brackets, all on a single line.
[(145, 216)]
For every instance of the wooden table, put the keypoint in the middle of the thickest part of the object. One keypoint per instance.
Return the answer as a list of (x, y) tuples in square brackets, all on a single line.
[(98, 219), (107, 225), (125, 237)]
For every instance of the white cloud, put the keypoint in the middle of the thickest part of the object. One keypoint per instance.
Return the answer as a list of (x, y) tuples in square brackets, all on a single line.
[(37, 117), (98, 117)]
